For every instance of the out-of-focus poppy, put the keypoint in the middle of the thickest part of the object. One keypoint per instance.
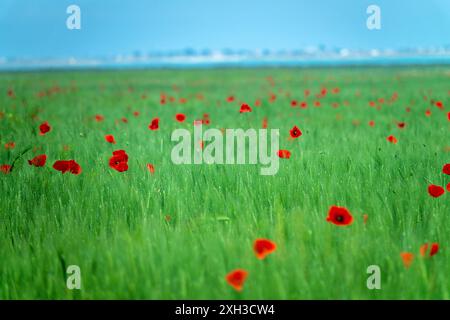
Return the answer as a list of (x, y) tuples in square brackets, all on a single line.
[(44, 128), (264, 123), (284, 154), (236, 278), (245, 108), (151, 168), (434, 248), (339, 216), (38, 161), (180, 117), (435, 191), (119, 161), (392, 139), (407, 258), (10, 145), (154, 125), (110, 138), (446, 168), (67, 166), (5, 168), (365, 218), (263, 247), (295, 132)]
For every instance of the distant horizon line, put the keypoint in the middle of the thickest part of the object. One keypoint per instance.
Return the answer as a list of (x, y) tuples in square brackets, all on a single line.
[(296, 58)]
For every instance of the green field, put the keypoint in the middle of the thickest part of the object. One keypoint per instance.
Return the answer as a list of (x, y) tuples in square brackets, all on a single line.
[(115, 225)]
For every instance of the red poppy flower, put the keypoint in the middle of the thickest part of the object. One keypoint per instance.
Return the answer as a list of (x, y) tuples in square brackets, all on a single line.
[(303, 105), (5, 168), (439, 104), (263, 247), (407, 258), (119, 161), (293, 103), (99, 118), (435, 191), (67, 166), (284, 154), (110, 138), (365, 218), (38, 161), (446, 168), (245, 108), (136, 113), (428, 112), (423, 249), (340, 216), (448, 116), (316, 103), (10, 145), (151, 168), (180, 117), (44, 128), (264, 123), (372, 123), (230, 99), (295, 132), (124, 120), (401, 125), (154, 125), (434, 249), (273, 97), (237, 278), (448, 187), (392, 139)]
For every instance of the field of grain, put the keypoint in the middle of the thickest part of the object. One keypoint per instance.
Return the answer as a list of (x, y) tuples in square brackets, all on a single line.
[(170, 231)]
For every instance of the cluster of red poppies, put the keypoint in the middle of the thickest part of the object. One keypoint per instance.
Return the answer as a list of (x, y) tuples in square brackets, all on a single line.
[(437, 191), (408, 257), (118, 161), (262, 248)]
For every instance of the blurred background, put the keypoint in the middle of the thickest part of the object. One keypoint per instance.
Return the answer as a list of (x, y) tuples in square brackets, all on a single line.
[(33, 34)]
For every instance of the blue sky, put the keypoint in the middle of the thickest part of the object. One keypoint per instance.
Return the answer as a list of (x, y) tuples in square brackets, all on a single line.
[(37, 28)]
